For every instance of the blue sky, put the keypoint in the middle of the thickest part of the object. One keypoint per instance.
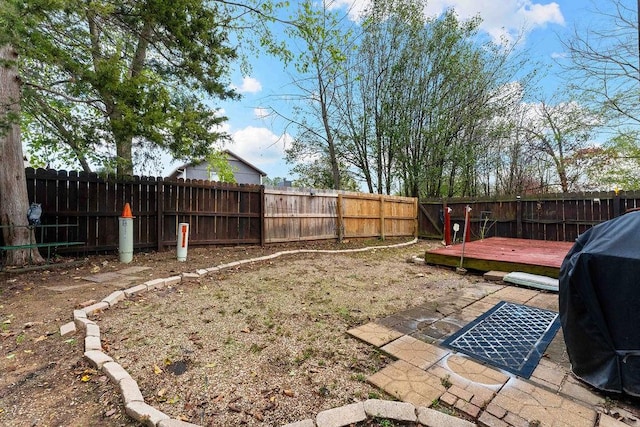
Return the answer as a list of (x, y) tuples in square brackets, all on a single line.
[(262, 140)]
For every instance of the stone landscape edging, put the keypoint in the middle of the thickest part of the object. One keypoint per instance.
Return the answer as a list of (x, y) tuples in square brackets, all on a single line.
[(142, 412)]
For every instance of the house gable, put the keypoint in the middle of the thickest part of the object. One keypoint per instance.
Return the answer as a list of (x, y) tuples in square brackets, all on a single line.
[(243, 171)]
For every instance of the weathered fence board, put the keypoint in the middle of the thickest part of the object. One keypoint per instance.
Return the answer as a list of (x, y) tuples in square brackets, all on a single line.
[(557, 217), (295, 215)]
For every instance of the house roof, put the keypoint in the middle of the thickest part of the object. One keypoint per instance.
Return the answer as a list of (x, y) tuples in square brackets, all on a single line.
[(174, 174)]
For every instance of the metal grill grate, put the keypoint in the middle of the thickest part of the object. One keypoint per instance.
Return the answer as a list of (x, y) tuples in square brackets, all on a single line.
[(509, 336)]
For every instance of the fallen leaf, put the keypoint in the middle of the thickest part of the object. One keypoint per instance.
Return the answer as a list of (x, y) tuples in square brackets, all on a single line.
[(245, 330), (288, 392), (210, 365), (156, 369), (11, 356), (7, 322), (31, 324), (162, 392), (173, 400), (41, 338), (85, 378), (234, 408), (28, 351), (258, 416)]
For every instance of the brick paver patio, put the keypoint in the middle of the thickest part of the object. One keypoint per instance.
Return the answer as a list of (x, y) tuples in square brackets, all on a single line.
[(428, 375)]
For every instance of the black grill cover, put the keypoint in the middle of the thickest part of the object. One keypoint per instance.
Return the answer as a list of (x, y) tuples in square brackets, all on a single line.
[(600, 305)]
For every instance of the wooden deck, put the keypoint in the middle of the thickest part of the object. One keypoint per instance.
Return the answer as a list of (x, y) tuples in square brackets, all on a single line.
[(504, 254)]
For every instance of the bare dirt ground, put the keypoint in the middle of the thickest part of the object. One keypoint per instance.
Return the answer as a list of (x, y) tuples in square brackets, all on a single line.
[(260, 344)]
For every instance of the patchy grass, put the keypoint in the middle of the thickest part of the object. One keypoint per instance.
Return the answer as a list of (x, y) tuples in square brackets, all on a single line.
[(271, 338)]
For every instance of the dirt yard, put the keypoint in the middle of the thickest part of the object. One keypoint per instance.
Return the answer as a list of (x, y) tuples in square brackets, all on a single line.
[(259, 344)]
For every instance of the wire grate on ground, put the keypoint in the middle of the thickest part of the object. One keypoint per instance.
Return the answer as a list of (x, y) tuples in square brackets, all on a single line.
[(509, 336)]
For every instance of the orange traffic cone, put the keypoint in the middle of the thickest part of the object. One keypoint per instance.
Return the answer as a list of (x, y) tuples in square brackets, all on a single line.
[(126, 212)]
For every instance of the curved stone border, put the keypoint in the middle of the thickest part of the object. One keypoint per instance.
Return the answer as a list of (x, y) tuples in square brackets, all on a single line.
[(385, 409), (144, 413)]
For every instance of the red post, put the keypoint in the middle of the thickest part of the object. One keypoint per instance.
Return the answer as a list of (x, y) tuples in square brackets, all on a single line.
[(447, 225)]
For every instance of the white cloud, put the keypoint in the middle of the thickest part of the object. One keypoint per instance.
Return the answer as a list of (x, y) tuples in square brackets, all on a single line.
[(249, 85), (559, 55), (354, 7), (261, 113), (506, 19), (259, 146), (502, 18)]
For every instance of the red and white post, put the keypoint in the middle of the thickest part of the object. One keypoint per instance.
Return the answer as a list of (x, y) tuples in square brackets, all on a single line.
[(183, 241)]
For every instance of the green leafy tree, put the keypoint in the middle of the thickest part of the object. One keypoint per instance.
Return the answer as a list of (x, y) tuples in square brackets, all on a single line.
[(418, 98), (318, 174), (102, 78), (273, 182), (313, 167), (556, 133), (612, 165), (219, 163)]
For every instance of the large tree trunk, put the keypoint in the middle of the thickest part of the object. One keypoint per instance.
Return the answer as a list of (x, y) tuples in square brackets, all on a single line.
[(14, 201)]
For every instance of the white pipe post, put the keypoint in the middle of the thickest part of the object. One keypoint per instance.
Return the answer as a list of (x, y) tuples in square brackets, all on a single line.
[(183, 241), (125, 231)]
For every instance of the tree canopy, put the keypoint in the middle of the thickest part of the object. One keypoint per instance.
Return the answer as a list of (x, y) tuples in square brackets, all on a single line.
[(405, 100), (102, 78)]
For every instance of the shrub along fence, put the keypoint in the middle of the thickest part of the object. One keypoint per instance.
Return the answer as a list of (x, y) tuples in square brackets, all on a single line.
[(85, 207), (556, 217)]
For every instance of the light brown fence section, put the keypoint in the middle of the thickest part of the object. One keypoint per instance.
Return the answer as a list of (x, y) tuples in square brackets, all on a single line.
[(295, 215), (370, 215)]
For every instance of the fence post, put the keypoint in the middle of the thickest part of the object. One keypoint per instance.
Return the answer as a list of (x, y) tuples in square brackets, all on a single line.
[(340, 219), (518, 217), (159, 213), (415, 215), (447, 224), (263, 220), (382, 217), (616, 202)]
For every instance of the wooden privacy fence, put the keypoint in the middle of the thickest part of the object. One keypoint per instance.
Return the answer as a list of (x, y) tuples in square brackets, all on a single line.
[(556, 217), (295, 215), (218, 214)]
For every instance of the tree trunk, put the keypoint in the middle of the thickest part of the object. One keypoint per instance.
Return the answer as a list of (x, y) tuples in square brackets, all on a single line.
[(14, 200), (124, 143)]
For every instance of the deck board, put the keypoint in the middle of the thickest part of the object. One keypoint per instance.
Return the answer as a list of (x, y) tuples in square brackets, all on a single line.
[(504, 254)]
